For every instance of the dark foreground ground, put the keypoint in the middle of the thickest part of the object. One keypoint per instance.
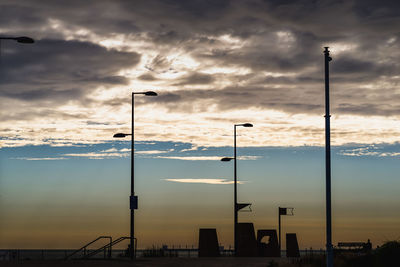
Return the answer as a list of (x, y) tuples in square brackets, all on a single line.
[(164, 262)]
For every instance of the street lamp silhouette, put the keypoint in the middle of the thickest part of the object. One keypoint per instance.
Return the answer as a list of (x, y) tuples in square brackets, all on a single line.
[(21, 39), (329, 246), (236, 206), (133, 200)]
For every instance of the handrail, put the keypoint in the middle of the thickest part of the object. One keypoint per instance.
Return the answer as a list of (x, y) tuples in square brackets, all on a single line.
[(109, 246), (84, 247)]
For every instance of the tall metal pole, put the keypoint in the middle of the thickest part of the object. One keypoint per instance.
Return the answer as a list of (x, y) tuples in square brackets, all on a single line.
[(133, 200), (235, 192), (329, 248), (132, 208), (279, 227)]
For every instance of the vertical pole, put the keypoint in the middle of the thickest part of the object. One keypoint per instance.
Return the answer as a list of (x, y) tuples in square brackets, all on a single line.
[(132, 251), (0, 59), (235, 192), (329, 250), (279, 215), (110, 250)]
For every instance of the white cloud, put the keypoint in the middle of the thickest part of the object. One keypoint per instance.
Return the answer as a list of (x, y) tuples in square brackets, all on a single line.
[(192, 148), (97, 155), (368, 151), (113, 149), (103, 154), (213, 158), (27, 158), (115, 153), (150, 152), (203, 181), (191, 157), (389, 154), (248, 157)]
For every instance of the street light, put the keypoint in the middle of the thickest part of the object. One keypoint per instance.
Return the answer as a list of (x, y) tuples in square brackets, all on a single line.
[(133, 200), (236, 206), (21, 39), (329, 247), (120, 135)]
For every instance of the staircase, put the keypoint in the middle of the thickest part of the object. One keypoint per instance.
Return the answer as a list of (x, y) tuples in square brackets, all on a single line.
[(107, 249)]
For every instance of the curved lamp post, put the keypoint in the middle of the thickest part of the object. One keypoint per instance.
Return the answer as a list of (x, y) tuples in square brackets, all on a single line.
[(236, 207), (133, 200)]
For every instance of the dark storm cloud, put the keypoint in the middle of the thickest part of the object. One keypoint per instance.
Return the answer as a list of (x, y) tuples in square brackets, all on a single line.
[(164, 20), (231, 98), (195, 78), (181, 19), (381, 14), (368, 109), (60, 70), (147, 77), (349, 65), (304, 26), (305, 98), (169, 21), (49, 114)]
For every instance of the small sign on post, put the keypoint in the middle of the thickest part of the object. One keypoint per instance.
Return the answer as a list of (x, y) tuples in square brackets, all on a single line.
[(283, 211), (133, 202), (286, 211)]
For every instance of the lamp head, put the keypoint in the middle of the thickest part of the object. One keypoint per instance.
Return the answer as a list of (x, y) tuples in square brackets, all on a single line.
[(24, 40), (119, 135), (247, 125), (226, 159), (150, 93)]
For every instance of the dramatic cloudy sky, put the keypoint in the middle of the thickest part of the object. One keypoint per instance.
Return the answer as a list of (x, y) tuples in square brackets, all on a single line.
[(213, 63)]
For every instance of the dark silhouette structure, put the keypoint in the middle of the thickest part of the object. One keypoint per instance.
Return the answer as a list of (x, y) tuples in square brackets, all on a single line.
[(246, 240), (208, 242), (329, 247), (247, 244), (133, 200), (270, 249), (292, 247), (283, 211)]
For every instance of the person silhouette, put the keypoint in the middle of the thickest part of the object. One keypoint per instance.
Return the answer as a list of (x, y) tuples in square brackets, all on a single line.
[(368, 246)]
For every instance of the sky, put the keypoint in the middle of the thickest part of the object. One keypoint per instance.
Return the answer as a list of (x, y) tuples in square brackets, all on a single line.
[(64, 179)]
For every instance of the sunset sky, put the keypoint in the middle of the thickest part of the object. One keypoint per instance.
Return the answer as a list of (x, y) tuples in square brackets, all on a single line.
[(64, 180)]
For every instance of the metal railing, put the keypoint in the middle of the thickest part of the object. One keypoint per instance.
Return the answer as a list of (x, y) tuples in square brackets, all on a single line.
[(109, 246), (85, 246)]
